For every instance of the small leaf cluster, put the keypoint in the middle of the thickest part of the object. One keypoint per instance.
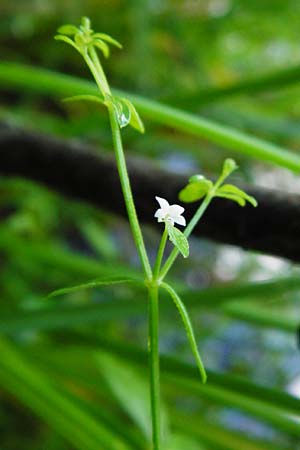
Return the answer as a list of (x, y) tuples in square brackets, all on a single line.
[(83, 38), (200, 187)]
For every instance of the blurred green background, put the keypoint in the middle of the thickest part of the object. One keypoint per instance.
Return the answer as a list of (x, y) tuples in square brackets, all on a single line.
[(73, 372)]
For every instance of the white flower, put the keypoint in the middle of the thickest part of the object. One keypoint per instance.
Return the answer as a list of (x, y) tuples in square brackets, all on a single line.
[(170, 213)]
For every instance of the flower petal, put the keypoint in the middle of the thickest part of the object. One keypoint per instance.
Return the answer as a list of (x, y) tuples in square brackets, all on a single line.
[(180, 220), (175, 210), (162, 202), (160, 214)]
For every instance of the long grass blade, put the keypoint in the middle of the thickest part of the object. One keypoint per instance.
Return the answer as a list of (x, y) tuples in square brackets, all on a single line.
[(46, 82), (23, 380)]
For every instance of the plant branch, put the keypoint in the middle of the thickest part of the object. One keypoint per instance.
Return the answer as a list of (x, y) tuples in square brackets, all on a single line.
[(127, 193)]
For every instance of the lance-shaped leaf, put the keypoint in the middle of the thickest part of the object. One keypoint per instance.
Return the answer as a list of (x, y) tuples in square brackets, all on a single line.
[(94, 283), (130, 388), (231, 192), (188, 328), (107, 38), (102, 46), (178, 239), (67, 40), (197, 188), (67, 29), (127, 114), (135, 120)]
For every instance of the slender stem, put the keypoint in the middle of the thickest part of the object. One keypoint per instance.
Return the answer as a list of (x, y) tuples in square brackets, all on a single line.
[(160, 254), (100, 78), (96, 69), (100, 71), (96, 74), (127, 193), (154, 366)]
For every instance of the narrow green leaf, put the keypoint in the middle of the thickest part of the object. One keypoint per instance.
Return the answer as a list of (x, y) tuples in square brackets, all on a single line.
[(49, 83), (197, 188), (102, 46), (173, 367), (130, 389), (68, 29), (178, 239), (182, 440), (107, 38), (230, 191), (235, 198), (216, 436), (188, 328), (92, 284), (67, 40), (19, 376), (135, 120)]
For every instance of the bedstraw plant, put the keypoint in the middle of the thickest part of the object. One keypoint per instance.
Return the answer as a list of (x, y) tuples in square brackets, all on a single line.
[(122, 113)]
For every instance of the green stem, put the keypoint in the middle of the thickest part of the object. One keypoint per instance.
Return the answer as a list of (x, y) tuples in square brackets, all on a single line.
[(154, 366), (100, 78), (100, 72), (96, 74), (127, 193), (160, 254)]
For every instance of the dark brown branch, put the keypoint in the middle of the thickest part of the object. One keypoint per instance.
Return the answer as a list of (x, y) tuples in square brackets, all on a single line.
[(76, 170)]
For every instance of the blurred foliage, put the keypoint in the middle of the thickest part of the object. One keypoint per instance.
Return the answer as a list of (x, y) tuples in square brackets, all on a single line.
[(72, 366)]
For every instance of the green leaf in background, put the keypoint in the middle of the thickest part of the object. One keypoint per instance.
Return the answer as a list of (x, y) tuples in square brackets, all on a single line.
[(197, 188), (54, 84), (178, 239), (188, 328), (131, 389), (89, 98), (231, 192), (229, 166), (93, 284), (183, 441), (22, 379)]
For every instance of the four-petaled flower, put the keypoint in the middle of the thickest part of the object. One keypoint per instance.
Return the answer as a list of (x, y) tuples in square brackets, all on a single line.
[(169, 213)]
